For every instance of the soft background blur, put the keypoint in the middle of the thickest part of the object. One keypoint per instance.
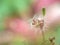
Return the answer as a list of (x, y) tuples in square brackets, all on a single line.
[(16, 17)]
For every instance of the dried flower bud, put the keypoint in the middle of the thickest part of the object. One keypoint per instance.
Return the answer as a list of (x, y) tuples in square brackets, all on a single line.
[(51, 39)]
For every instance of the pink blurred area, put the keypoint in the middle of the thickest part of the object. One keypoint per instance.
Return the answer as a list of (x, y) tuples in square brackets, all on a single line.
[(22, 28), (43, 4)]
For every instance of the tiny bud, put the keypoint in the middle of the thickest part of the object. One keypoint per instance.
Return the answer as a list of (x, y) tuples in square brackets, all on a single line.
[(43, 11)]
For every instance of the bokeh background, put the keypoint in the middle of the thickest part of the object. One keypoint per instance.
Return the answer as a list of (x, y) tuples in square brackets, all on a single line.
[(17, 16)]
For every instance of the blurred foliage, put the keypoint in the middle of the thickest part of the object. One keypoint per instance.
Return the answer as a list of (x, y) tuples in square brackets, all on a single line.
[(7, 8)]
